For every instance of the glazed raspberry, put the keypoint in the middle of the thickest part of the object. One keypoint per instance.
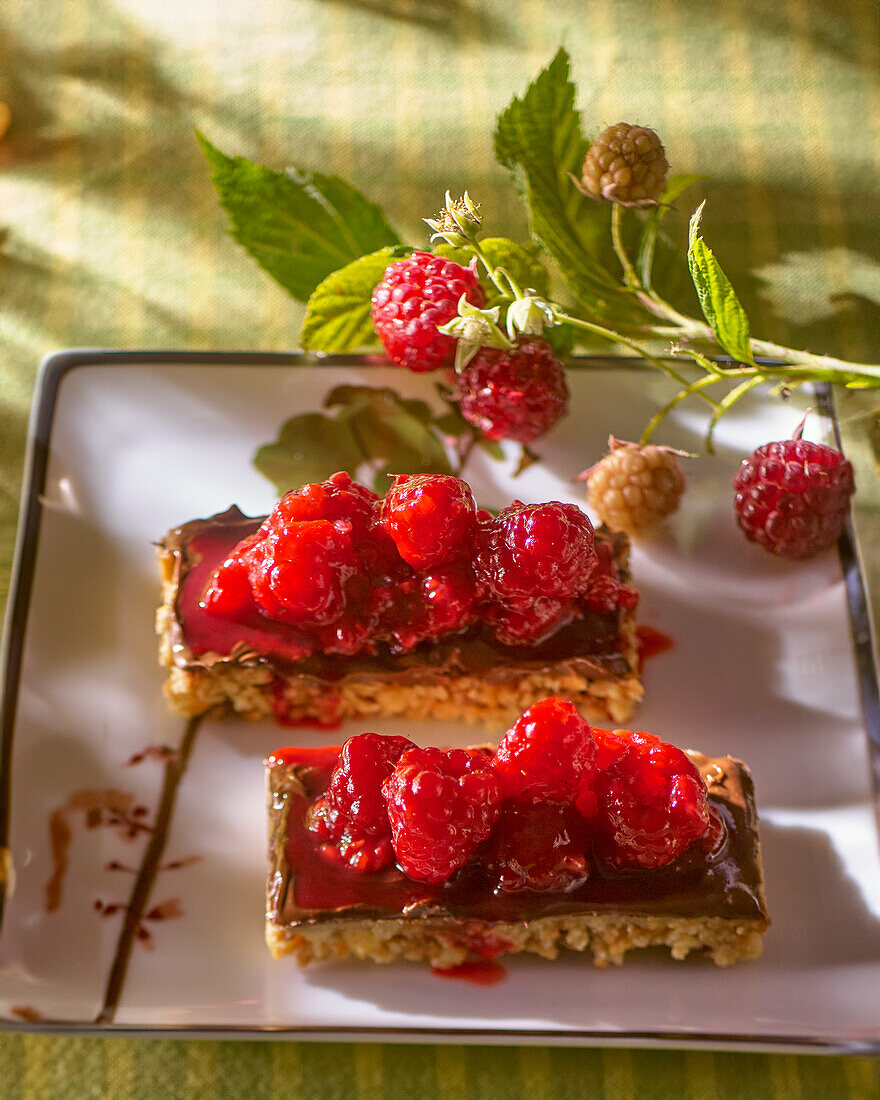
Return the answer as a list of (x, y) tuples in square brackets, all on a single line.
[(442, 806), (298, 575), (430, 517), (652, 802), (431, 604), (547, 753), (537, 550), (627, 165), (352, 816), (229, 591), (605, 593), (415, 297), (337, 498), (528, 622), (517, 394), (792, 497), (538, 846), (634, 488)]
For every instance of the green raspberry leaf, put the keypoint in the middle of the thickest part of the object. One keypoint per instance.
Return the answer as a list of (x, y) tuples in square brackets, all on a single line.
[(309, 447), (299, 226), (364, 426), (718, 300), (395, 434), (538, 138), (521, 262), (338, 314)]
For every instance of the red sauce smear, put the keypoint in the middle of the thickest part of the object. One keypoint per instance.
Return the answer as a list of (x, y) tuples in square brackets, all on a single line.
[(475, 971), (651, 642)]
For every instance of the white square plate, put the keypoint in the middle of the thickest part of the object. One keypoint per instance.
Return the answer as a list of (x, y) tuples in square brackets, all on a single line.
[(125, 446)]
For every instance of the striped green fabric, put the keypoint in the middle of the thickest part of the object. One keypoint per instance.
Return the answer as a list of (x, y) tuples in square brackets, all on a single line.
[(112, 236), (36, 1068)]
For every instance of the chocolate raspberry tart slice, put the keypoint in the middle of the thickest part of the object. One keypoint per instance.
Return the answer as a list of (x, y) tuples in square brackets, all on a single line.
[(563, 837), (342, 604)]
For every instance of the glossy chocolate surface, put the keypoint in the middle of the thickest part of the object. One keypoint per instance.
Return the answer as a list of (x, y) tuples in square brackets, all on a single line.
[(305, 888), (590, 646)]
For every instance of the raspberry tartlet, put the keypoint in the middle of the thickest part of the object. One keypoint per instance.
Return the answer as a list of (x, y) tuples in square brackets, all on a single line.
[(343, 604), (564, 835)]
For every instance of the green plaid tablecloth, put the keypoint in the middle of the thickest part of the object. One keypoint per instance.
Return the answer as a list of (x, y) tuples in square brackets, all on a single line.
[(112, 236)]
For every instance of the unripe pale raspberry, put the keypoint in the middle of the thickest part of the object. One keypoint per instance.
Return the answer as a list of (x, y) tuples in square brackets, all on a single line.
[(634, 487), (627, 165)]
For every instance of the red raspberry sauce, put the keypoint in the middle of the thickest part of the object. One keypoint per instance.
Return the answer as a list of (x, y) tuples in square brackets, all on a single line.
[(474, 971), (652, 642)]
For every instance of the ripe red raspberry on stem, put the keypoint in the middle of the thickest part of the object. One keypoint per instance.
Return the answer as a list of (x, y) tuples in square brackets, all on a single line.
[(651, 801), (352, 816), (442, 806), (514, 394), (537, 549), (547, 753), (430, 517), (416, 296), (792, 496)]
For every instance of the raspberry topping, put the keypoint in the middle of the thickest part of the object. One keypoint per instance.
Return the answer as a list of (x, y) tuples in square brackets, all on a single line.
[(415, 297), (517, 394), (792, 497), (348, 571), (337, 498), (532, 549), (652, 801), (431, 604), (351, 816), (442, 806), (298, 574), (605, 592), (554, 798), (547, 753), (528, 622), (229, 592), (430, 517), (538, 846)]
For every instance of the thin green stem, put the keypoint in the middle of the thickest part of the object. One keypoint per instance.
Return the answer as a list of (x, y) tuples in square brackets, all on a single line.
[(690, 328), (515, 289), (495, 274), (616, 338), (630, 275), (726, 403), (686, 391)]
